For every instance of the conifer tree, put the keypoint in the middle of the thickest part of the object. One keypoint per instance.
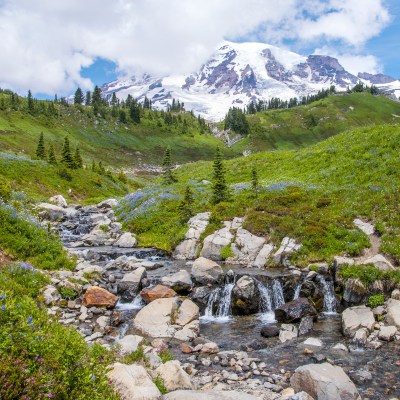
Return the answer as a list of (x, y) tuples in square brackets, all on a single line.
[(40, 150), (94, 167), (96, 97), (66, 156), (134, 112), (78, 159), (220, 187), (185, 207), (88, 99), (78, 98), (52, 156), (167, 167), (30, 102), (254, 181)]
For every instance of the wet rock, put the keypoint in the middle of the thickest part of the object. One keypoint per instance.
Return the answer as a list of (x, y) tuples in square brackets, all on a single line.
[(157, 292), (355, 292), (188, 248), (387, 333), (245, 299), (354, 318), (340, 347), (318, 358), (306, 325), (205, 271), (314, 342), (209, 348), (294, 310), (174, 376), (324, 382), (287, 332), (180, 281), (133, 382), (98, 297), (269, 331), (201, 294), (393, 312), (130, 284), (361, 336), (126, 240)]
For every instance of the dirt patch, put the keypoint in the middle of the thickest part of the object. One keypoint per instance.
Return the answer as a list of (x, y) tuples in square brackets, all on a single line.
[(4, 259)]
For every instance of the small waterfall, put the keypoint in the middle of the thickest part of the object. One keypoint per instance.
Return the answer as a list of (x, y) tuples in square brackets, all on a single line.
[(265, 297), (297, 291), (222, 297), (329, 295), (277, 293), (136, 304)]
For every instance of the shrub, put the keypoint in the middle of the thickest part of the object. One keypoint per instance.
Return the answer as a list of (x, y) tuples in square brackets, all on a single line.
[(135, 356), (376, 300), (68, 293), (314, 268), (165, 355), (5, 190), (367, 274), (226, 252), (159, 382)]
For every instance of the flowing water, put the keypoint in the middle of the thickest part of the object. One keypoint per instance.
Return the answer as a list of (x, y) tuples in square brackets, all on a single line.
[(297, 291), (329, 295)]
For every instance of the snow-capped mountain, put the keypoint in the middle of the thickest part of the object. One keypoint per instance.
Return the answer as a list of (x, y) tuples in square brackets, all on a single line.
[(240, 72)]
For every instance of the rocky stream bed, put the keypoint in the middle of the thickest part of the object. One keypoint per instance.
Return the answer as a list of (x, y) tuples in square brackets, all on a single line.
[(236, 331)]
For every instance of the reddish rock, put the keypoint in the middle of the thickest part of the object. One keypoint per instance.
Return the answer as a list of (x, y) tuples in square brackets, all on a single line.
[(186, 348), (98, 297), (157, 292)]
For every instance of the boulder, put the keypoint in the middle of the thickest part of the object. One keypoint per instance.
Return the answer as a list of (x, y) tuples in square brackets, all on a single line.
[(395, 294), (201, 295), (367, 228), (245, 299), (393, 313), (387, 333), (287, 247), (263, 256), (295, 310), (355, 292), (269, 331), (157, 292), (51, 212), (97, 237), (306, 325), (123, 263), (98, 297), (209, 348), (107, 204), (354, 318), (126, 240), (156, 319), (246, 247), (129, 285), (51, 295), (188, 248), (188, 312), (380, 262), (205, 271), (287, 332), (129, 343), (339, 262), (174, 376), (360, 336), (180, 281), (213, 244), (132, 382), (59, 201), (324, 382), (313, 342), (208, 395)]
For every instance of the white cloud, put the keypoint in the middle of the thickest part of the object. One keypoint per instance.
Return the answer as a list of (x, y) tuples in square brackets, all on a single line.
[(45, 43)]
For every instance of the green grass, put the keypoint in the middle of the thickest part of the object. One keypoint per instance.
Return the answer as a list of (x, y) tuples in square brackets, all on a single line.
[(311, 194), (303, 126)]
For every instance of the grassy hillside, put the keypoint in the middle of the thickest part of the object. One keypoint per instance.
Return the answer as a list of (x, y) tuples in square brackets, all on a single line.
[(311, 194), (306, 125)]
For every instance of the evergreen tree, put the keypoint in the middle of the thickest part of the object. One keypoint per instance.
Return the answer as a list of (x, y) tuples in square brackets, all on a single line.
[(31, 106), (96, 97), (185, 207), (40, 150), (78, 159), (134, 112), (122, 116), (220, 187), (88, 99), (114, 100), (167, 167), (52, 156), (66, 156), (78, 98), (254, 181)]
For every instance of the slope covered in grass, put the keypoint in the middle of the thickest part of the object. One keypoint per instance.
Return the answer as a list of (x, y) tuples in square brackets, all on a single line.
[(311, 194), (309, 124)]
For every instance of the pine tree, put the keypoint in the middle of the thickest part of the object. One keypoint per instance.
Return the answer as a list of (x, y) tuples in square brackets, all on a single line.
[(96, 97), (185, 207), (254, 181), (134, 112), (52, 156), (167, 167), (78, 159), (31, 106), (78, 98), (220, 187), (114, 100), (66, 156), (88, 99), (41, 151)]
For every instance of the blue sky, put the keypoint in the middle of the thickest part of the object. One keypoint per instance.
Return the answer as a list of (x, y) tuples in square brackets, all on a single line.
[(54, 47)]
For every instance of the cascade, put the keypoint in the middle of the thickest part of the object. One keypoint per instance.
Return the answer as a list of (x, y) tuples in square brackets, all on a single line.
[(136, 304), (277, 293), (297, 290), (329, 295)]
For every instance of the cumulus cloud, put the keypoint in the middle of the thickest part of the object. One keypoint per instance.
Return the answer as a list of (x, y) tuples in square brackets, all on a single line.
[(46, 43)]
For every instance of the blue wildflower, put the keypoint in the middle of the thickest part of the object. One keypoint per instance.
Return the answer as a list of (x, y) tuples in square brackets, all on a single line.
[(29, 320), (3, 308)]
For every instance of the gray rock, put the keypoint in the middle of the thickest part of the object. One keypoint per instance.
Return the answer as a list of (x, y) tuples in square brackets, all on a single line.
[(244, 298), (126, 240), (306, 325), (287, 332), (205, 271), (395, 294), (59, 201), (380, 262), (269, 331), (208, 395), (367, 228), (179, 281), (263, 256), (213, 244), (393, 313), (354, 318), (324, 382), (387, 333), (129, 343), (314, 342), (174, 376), (295, 310), (288, 246), (246, 247), (130, 284)]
